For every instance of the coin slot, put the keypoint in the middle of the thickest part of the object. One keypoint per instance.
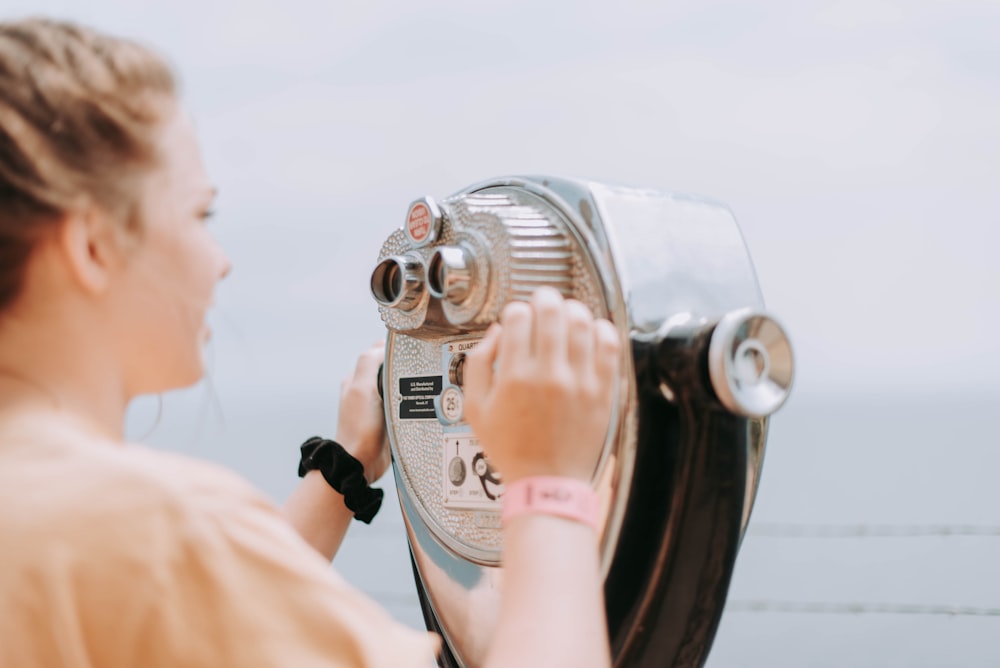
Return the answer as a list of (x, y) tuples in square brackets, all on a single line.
[(456, 370)]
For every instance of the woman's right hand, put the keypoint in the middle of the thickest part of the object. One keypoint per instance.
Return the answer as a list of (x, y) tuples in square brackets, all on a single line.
[(539, 388)]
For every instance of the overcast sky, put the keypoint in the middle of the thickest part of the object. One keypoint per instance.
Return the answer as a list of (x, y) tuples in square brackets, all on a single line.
[(858, 143)]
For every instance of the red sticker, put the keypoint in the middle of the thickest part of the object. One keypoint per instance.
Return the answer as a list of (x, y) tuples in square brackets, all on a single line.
[(418, 222)]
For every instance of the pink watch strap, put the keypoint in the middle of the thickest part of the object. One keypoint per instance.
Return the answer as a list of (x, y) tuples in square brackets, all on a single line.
[(550, 495)]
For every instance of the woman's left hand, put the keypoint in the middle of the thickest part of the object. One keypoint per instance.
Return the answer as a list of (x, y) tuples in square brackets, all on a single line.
[(361, 419)]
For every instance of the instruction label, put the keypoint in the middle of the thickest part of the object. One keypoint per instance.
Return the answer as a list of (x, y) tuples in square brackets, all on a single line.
[(470, 483), (422, 386), (419, 393)]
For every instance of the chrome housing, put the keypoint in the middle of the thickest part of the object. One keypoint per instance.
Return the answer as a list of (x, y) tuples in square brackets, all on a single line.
[(679, 470)]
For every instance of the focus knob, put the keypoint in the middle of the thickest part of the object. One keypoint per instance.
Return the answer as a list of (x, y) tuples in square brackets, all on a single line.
[(750, 363)]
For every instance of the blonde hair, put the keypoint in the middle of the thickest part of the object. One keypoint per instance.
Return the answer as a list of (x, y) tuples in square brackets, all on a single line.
[(78, 116)]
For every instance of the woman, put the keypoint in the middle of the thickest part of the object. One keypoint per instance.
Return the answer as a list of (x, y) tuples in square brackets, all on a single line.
[(115, 555)]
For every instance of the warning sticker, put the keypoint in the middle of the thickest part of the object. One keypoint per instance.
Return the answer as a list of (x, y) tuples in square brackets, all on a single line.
[(470, 483), (418, 222)]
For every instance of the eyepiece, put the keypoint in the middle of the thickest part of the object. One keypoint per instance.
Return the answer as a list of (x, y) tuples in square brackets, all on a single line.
[(387, 282), (449, 273), (398, 282)]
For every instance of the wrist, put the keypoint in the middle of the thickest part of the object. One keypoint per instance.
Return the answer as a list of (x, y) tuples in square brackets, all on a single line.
[(352, 444), (372, 454), (343, 473), (565, 497)]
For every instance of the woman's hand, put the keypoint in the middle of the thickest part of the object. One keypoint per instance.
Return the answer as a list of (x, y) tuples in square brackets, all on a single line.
[(539, 388), (360, 418), (315, 509)]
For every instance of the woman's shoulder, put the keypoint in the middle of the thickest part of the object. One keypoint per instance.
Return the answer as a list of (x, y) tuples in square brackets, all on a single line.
[(109, 504), (138, 532), (61, 474)]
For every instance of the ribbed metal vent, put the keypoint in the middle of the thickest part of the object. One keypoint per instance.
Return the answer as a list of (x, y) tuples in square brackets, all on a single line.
[(540, 253)]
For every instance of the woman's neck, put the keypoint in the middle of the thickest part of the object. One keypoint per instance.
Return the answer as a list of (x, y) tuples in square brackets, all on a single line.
[(23, 398), (44, 370)]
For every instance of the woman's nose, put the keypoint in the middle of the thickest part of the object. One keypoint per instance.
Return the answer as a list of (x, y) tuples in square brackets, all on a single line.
[(226, 264)]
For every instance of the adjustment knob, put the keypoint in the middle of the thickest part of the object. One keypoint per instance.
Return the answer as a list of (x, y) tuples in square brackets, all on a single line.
[(750, 363)]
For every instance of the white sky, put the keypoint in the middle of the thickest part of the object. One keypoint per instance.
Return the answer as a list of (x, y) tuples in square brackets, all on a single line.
[(857, 142)]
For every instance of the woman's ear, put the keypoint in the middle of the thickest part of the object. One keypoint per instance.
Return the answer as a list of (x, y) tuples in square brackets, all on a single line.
[(91, 246)]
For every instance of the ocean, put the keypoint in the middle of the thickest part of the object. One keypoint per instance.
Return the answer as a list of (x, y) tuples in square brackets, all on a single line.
[(874, 540)]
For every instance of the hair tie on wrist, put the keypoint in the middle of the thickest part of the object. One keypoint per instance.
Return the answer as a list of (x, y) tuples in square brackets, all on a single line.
[(568, 498), (343, 473)]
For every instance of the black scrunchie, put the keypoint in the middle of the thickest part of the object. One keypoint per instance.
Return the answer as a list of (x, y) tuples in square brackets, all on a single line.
[(344, 473)]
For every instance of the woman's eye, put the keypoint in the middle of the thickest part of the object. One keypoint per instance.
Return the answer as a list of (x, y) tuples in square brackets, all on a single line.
[(207, 214)]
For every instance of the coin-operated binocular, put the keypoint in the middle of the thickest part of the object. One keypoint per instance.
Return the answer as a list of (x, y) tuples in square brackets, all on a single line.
[(680, 465)]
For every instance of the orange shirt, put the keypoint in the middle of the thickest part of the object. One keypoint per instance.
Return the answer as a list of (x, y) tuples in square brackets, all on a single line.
[(116, 556)]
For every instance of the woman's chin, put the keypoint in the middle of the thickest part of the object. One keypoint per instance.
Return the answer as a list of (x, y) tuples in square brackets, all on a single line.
[(178, 377)]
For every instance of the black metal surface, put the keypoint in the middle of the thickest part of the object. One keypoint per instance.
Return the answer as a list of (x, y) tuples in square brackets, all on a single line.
[(670, 575)]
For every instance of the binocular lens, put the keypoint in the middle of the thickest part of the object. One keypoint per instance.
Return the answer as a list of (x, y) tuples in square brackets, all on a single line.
[(387, 281), (392, 282), (435, 275), (398, 282), (449, 273)]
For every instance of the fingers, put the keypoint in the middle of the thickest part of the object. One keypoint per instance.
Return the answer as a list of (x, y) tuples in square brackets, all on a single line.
[(553, 330), (360, 415), (580, 335), (514, 345), (479, 371), (366, 369), (549, 328), (606, 347)]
